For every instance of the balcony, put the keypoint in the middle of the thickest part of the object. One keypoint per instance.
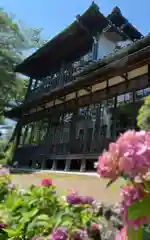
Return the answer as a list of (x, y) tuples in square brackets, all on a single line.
[(59, 80)]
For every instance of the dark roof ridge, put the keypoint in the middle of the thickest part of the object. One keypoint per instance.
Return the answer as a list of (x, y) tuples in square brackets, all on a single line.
[(117, 11), (92, 12), (92, 8)]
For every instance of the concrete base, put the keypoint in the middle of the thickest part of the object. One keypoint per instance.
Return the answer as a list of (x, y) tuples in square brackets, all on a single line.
[(17, 170)]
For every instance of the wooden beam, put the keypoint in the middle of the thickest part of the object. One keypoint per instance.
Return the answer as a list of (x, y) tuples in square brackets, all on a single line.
[(120, 88), (125, 76)]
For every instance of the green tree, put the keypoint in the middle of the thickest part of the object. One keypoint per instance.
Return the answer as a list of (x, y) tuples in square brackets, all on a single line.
[(15, 39), (143, 118)]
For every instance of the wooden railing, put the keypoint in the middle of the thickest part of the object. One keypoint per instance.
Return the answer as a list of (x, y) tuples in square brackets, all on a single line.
[(61, 79)]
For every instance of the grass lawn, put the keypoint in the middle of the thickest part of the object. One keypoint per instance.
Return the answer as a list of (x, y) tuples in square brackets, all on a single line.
[(88, 185)]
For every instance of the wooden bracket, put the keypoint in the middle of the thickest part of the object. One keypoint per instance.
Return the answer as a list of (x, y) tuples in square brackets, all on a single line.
[(88, 89), (63, 99), (43, 106), (76, 95), (125, 76)]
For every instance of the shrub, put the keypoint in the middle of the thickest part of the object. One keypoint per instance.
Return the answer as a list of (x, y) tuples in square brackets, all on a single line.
[(143, 118), (2, 155), (39, 213), (6, 157)]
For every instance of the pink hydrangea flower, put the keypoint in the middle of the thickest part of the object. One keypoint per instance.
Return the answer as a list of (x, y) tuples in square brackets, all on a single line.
[(131, 194), (108, 164), (60, 234), (134, 152), (47, 182), (95, 226), (122, 235), (79, 235), (4, 171), (130, 154), (3, 225), (75, 199)]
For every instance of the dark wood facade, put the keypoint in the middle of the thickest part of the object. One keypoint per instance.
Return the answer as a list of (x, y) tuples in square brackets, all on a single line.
[(71, 114)]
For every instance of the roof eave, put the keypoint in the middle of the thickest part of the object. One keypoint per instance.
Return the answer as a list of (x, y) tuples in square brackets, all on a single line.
[(19, 68)]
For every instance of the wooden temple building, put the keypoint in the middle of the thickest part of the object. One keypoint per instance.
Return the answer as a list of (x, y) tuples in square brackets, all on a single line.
[(85, 88)]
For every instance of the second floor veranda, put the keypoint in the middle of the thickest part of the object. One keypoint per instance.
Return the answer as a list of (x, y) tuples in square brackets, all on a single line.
[(66, 75), (89, 63)]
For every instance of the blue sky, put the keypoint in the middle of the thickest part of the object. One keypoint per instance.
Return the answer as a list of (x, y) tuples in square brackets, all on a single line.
[(54, 15)]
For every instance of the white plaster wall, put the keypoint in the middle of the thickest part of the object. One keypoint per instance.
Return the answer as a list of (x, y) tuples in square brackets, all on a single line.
[(105, 46)]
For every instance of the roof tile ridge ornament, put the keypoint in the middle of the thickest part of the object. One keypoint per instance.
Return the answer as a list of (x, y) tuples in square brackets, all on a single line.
[(116, 10), (94, 6)]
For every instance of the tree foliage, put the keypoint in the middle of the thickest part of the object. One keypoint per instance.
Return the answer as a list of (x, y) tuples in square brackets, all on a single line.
[(143, 118), (15, 39)]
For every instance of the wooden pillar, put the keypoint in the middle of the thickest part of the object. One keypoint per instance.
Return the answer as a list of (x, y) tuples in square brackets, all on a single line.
[(18, 135), (83, 165), (61, 83), (25, 134), (114, 119), (54, 166), (39, 132), (31, 133), (29, 88), (97, 122), (48, 128), (43, 163), (67, 165), (72, 135)]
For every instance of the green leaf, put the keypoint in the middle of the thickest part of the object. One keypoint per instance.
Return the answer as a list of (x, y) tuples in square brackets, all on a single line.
[(10, 232), (139, 209), (64, 219), (146, 234), (43, 217), (15, 27), (27, 216), (135, 234)]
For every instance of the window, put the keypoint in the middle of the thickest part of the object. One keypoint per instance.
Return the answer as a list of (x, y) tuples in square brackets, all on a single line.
[(124, 98)]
